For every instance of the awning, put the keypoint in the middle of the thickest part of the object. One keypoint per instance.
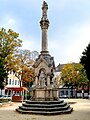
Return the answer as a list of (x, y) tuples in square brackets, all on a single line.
[(17, 88)]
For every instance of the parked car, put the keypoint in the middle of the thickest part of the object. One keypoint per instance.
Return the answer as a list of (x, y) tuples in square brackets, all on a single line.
[(63, 96)]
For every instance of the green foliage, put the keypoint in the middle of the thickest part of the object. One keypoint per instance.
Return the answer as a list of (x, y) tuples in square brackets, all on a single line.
[(20, 61), (4, 100), (82, 76), (73, 74), (85, 60), (9, 44)]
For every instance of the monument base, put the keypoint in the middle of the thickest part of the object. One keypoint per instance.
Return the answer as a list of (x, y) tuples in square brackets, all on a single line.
[(44, 107), (44, 101), (44, 94)]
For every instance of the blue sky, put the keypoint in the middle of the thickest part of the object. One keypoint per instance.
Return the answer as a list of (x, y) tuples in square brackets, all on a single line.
[(68, 33)]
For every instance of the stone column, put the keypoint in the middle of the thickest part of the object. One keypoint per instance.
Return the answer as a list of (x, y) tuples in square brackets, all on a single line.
[(44, 23), (36, 80), (44, 40)]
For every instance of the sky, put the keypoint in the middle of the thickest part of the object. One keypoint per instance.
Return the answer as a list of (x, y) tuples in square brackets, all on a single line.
[(68, 33)]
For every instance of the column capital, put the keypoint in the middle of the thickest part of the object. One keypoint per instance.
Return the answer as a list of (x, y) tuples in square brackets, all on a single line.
[(44, 24)]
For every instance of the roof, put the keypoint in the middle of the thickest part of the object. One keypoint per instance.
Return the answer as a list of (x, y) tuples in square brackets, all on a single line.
[(60, 66), (45, 58)]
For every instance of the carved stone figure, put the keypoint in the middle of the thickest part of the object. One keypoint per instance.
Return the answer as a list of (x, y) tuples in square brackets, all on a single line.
[(44, 12), (42, 78)]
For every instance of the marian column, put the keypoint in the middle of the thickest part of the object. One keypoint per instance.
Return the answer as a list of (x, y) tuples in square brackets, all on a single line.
[(44, 23)]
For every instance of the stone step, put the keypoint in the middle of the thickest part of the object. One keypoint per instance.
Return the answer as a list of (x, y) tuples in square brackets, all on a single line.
[(69, 110), (44, 102), (44, 109), (45, 105)]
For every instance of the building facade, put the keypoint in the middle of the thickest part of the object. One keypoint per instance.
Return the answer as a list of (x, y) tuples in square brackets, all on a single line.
[(69, 91), (13, 82)]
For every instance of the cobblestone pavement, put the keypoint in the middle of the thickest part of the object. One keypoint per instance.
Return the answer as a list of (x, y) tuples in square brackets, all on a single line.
[(81, 112)]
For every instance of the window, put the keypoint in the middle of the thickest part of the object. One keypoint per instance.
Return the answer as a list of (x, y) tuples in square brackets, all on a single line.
[(18, 82), (66, 92), (9, 81), (71, 93), (15, 82), (62, 93)]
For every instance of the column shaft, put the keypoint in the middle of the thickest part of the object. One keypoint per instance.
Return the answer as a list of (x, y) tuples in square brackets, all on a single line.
[(44, 40)]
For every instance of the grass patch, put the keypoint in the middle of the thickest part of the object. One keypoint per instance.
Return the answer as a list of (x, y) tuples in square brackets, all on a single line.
[(4, 100)]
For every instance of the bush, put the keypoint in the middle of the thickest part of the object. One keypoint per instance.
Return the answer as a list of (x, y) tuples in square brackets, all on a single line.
[(4, 100)]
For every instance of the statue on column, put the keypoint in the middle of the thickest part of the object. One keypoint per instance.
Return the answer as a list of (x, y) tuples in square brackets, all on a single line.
[(44, 12)]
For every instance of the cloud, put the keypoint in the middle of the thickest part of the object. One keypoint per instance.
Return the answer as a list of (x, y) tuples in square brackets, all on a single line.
[(80, 38), (30, 43), (69, 25), (68, 47), (11, 21)]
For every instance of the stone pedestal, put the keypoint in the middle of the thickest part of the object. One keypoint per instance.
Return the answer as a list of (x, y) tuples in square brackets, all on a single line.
[(44, 94)]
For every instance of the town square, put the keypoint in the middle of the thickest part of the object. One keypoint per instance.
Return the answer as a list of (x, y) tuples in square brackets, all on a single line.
[(81, 112), (33, 85)]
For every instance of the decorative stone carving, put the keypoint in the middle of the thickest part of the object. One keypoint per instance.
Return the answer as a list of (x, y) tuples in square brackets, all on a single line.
[(48, 81), (44, 11), (42, 78)]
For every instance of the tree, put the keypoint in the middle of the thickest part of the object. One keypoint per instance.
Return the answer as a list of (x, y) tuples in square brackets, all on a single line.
[(82, 80), (25, 60), (82, 76), (73, 74), (68, 74), (9, 44), (85, 60)]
